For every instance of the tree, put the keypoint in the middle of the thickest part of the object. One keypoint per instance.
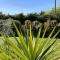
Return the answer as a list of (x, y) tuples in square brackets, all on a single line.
[(20, 17), (32, 16)]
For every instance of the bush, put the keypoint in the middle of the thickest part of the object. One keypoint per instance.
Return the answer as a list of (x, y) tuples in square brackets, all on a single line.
[(36, 49)]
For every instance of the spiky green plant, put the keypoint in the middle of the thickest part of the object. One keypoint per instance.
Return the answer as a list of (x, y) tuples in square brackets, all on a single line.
[(37, 49)]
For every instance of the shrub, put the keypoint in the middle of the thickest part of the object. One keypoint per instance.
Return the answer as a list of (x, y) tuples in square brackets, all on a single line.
[(37, 48)]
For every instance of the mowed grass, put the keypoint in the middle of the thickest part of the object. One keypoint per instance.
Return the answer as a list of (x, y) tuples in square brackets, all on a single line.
[(11, 38), (43, 41), (34, 39)]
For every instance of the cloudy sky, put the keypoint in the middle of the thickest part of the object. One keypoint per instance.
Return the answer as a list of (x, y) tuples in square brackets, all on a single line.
[(26, 6)]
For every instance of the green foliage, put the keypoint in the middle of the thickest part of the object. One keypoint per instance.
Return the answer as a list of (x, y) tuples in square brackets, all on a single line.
[(41, 17), (37, 49), (32, 16), (20, 17)]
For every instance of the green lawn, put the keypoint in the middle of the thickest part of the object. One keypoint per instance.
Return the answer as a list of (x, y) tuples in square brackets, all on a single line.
[(45, 42), (14, 41)]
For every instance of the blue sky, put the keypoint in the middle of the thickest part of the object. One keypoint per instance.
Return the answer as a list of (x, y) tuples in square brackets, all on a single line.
[(26, 6)]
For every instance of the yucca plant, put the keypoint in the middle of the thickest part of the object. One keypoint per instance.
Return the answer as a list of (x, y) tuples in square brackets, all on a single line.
[(37, 49)]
